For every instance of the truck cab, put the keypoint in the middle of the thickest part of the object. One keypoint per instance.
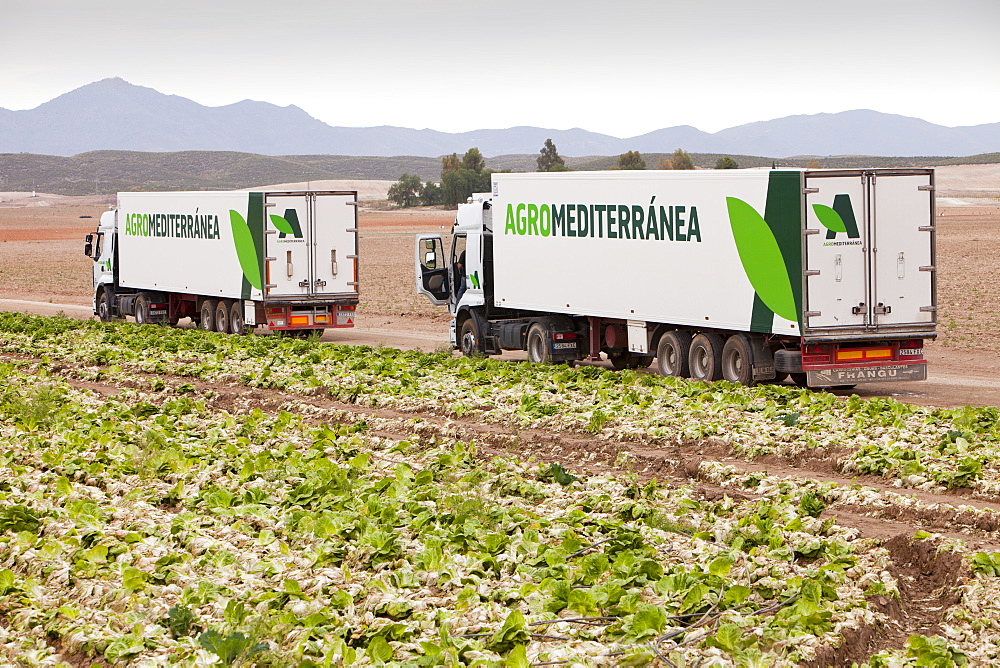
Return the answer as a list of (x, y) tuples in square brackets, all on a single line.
[(101, 246), (457, 278)]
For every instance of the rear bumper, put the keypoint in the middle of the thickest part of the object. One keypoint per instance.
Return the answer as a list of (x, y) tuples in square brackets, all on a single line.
[(889, 372)]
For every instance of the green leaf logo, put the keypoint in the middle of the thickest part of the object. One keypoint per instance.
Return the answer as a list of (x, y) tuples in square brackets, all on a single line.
[(761, 258), (830, 219), (281, 224), (246, 251)]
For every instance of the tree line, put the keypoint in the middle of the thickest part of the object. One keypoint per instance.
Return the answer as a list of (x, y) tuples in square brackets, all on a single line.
[(461, 177)]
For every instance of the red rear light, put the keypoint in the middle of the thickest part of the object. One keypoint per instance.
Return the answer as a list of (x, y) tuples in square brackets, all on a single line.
[(564, 336)]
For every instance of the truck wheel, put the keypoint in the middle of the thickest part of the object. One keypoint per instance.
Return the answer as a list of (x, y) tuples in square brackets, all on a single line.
[(141, 307), (672, 354), (206, 320), (222, 317), (705, 358), (799, 378), (538, 344), (737, 365), (469, 341), (236, 324), (104, 307)]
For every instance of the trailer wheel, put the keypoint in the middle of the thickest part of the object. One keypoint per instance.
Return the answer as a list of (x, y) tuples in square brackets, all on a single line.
[(469, 341), (538, 344), (222, 317), (672, 354), (705, 358), (737, 364), (236, 324), (206, 321), (141, 307)]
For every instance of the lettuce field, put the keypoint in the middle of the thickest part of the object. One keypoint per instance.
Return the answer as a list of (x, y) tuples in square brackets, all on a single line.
[(177, 497)]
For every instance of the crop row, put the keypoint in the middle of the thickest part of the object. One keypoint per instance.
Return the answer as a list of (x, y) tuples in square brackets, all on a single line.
[(913, 446)]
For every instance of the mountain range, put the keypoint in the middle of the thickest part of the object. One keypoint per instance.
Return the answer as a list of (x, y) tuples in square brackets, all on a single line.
[(113, 114)]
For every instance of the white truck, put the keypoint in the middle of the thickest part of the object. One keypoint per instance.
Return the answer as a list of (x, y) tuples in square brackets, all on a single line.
[(748, 275), (229, 260)]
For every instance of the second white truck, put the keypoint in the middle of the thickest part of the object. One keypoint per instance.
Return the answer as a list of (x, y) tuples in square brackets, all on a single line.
[(747, 275), (229, 260)]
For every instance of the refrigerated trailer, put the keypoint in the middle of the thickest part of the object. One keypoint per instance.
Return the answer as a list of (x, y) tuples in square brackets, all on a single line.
[(229, 260), (747, 275)]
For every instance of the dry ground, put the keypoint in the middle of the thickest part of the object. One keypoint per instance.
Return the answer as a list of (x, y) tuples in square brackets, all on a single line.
[(41, 259)]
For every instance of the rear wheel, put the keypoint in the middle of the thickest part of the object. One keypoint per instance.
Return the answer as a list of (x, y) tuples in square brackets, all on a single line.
[(672, 354), (222, 316), (799, 378), (705, 357), (538, 344), (737, 365), (206, 320), (236, 324), (469, 339), (141, 306)]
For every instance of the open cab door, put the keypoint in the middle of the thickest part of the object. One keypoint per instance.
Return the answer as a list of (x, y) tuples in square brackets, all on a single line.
[(432, 272)]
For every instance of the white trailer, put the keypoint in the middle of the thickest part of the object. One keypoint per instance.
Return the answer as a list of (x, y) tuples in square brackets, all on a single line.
[(747, 275), (229, 260)]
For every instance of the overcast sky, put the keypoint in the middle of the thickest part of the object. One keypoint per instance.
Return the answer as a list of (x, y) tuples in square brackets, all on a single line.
[(621, 68)]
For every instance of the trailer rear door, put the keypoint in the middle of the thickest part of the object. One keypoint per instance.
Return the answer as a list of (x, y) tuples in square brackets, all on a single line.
[(312, 243), (869, 249)]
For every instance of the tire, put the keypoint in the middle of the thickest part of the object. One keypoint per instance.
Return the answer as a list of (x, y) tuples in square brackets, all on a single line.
[(222, 316), (737, 360), (469, 340), (236, 324), (104, 307), (141, 308), (206, 319), (705, 357), (799, 378), (538, 344), (672, 354)]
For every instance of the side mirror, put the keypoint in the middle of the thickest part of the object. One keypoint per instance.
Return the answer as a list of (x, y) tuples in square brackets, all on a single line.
[(430, 260), (88, 248)]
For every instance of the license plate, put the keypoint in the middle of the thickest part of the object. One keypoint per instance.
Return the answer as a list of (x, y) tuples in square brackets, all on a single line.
[(874, 374), (564, 345), (911, 351)]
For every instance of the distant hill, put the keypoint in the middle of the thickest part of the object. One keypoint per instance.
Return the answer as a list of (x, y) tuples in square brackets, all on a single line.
[(103, 172), (113, 114)]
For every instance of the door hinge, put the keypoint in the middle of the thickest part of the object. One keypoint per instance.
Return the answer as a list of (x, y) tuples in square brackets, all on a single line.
[(882, 309), (928, 309), (809, 231), (812, 314), (926, 228), (270, 259), (927, 187), (859, 309), (810, 191), (930, 268), (268, 205), (811, 272), (354, 203), (304, 283)]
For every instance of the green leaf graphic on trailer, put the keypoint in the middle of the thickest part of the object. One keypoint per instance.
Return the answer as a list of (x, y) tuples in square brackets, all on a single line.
[(246, 250), (281, 224), (830, 219), (761, 258)]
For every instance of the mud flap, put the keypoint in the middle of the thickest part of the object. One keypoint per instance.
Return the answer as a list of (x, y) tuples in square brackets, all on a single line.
[(763, 359)]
